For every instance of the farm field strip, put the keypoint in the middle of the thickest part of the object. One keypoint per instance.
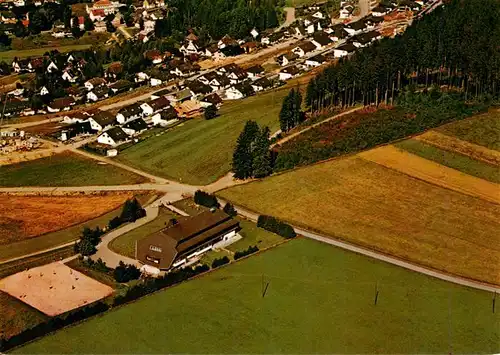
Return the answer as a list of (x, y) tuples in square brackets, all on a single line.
[(369, 205), (454, 144), (434, 173)]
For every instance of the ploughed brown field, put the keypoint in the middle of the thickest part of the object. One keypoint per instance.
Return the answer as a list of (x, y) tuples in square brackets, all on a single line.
[(390, 210), (23, 217)]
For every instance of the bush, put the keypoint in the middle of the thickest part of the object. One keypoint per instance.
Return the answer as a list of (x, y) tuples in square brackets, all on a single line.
[(125, 273), (229, 209), (132, 211), (210, 112), (114, 223), (276, 226), (250, 250), (205, 199), (219, 262)]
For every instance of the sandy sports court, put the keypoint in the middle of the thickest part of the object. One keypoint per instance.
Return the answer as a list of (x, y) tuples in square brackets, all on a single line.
[(54, 288)]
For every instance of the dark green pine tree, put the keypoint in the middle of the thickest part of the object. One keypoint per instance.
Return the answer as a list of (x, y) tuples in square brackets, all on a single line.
[(243, 153), (262, 154), (285, 116), (296, 116)]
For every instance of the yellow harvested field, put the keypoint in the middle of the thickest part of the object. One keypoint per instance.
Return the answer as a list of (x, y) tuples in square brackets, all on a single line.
[(454, 144), (54, 288), (23, 217), (434, 173), (382, 209)]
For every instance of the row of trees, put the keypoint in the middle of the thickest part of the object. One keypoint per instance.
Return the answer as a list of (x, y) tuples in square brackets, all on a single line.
[(457, 45), (216, 18), (291, 110), (251, 157)]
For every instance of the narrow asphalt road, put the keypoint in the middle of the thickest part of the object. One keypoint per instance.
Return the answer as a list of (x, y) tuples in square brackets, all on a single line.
[(376, 255)]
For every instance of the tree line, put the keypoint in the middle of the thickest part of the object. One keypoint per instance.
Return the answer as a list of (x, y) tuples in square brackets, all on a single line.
[(212, 19), (457, 45)]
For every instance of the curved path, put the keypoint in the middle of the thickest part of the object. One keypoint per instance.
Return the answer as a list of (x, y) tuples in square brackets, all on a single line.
[(379, 256)]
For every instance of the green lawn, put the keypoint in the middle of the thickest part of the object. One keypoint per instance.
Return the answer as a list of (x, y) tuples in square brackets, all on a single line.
[(125, 244), (200, 151), (319, 299), (49, 240), (482, 130), (8, 56), (65, 169), (209, 257), (252, 235), (452, 160)]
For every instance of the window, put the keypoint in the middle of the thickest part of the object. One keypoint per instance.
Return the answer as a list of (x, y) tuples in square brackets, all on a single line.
[(155, 248), (153, 260)]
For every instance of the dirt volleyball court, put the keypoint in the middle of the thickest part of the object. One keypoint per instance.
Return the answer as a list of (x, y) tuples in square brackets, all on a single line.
[(434, 173), (54, 288)]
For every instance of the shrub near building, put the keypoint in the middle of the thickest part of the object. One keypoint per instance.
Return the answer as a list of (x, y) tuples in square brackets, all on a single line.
[(274, 225)]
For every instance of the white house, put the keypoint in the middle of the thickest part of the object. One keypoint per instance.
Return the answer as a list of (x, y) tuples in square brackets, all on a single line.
[(254, 33), (44, 91), (355, 28), (315, 61), (261, 84), (380, 11), (141, 77), (94, 82), (129, 113), (318, 15), (99, 93), (234, 93), (165, 117), (101, 120), (190, 47), (289, 72), (155, 81), (304, 48), (344, 50), (52, 67), (255, 71), (112, 137), (69, 76), (135, 127)]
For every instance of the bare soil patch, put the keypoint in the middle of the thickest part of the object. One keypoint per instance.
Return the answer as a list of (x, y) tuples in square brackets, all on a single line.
[(24, 217), (54, 288)]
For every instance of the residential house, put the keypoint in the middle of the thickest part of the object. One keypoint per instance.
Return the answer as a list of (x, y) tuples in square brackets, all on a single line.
[(255, 71), (135, 127), (304, 48), (355, 28), (190, 47), (80, 116), (344, 50), (227, 41), (44, 91), (214, 52), (75, 129), (315, 61), (286, 58), (212, 99), (114, 71), (61, 104), (180, 96), (239, 91), (320, 40), (121, 86), (198, 88), (380, 10), (141, 77), (289, 72), (237, 76), (108, 7), (261, 84), (189, 109), (70, 75), (220, 82), (249, 47), (94, 83), (97, 15), (154, 106), (113, 136), (165, 117), (185, 69), (364, 39), (101, 120), (129, 113), (186, 240), (154, 56), (99, 93)]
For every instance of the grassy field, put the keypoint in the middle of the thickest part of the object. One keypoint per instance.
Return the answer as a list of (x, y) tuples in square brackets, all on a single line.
[(49, 240), (482, 130), (65, 169), (125, 244), (16, 316), (368, 204), (8, 56), (200, 151), (452, 160), (252, 235), (319, 299)]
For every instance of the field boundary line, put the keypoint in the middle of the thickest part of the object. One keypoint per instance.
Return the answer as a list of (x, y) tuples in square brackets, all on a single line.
[(433, 173), (335, 241)]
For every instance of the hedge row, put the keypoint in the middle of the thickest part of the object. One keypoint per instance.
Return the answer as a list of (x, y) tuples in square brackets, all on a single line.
[(219, 262), (274, 225), (250, 250)]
